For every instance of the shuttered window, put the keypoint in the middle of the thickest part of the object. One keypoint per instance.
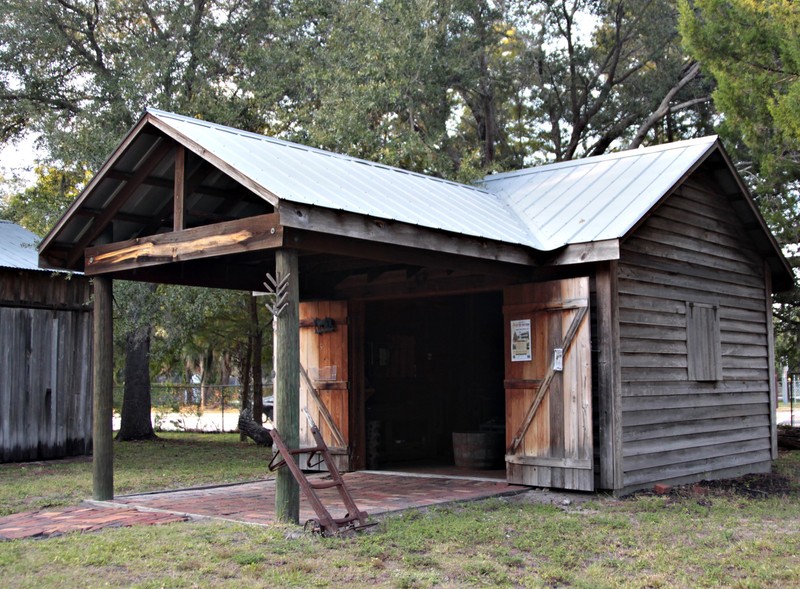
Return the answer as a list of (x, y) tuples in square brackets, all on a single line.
[(703, 342)]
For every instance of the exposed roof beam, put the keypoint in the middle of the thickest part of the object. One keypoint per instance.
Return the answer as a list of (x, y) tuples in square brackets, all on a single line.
[(422, 285), (167, 183), (399, 254), (233, 237), (380, 231), (112, 208)]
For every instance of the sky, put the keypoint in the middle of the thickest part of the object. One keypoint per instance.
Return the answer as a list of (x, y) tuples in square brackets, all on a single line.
[(18, 159)]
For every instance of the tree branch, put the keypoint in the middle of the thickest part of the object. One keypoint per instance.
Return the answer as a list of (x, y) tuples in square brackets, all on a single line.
[(664, 108)]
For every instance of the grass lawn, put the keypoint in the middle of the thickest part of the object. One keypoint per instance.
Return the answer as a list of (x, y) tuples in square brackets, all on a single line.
[(684, 540)]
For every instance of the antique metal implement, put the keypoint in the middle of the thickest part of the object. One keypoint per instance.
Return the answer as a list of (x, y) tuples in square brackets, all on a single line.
[(325, 523)]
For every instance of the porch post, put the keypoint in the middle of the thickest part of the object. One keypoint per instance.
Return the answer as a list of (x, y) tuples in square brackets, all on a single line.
[(103, 393), (287, 384)]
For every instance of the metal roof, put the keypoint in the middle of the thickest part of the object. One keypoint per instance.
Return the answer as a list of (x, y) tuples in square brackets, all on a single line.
[(304, 175), (18, 247), (236, 174), (596, 198)]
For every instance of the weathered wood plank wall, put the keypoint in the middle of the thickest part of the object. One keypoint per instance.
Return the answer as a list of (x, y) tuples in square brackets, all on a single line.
[(693, 249), (45, 385)]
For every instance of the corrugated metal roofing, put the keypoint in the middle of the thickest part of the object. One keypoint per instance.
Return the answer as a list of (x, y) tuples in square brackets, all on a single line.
[(18, 247), (304, 175), (597, 198)]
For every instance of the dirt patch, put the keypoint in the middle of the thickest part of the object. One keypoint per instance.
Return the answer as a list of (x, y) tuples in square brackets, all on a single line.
[(45, 463), (562, 499), (753, 486)]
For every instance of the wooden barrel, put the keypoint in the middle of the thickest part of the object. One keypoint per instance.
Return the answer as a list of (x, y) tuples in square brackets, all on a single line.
[(479, 450)]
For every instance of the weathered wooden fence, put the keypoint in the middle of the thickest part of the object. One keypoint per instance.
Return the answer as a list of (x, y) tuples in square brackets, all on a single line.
[(45, 383)]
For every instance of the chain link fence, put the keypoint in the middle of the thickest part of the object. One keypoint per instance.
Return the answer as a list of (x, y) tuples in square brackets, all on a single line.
[(192, 407)]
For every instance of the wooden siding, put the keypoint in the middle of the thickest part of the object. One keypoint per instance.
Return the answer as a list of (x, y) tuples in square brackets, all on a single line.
[(25, 288), (45, 355), (675, 429)]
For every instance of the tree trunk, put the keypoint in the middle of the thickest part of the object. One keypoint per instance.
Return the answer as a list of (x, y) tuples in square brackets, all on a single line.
[(245, 372), (258, 390), (136, 423), (255, 431), (206, 367)]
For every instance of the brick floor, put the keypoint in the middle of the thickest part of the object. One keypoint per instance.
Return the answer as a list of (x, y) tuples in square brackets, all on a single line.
[(252, 503)]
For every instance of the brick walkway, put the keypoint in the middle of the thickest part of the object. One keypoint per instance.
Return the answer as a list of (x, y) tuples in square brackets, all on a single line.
[(54, 522), (252, 503)]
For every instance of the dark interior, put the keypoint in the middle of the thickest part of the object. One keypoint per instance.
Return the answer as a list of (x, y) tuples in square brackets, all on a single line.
[(433, 367)]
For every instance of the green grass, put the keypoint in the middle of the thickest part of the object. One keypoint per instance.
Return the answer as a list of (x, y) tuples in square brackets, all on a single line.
[(720, 540), (173, 461)]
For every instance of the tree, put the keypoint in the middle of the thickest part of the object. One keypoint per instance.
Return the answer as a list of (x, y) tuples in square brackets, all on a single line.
[(38, 207), (80, 72), (753, 52), (607, 73), (135, 308), (461, 87)]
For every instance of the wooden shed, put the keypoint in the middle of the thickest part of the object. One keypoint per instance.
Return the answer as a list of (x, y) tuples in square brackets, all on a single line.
[(609, 318), (45, 346)]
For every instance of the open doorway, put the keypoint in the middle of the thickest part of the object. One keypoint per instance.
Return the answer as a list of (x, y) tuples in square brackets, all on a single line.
[(434, 366)]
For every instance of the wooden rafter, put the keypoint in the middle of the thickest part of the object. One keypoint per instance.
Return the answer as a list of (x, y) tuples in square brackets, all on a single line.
[(100, 222)]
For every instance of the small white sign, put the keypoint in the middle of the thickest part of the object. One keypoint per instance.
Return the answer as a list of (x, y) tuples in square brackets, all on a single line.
[(558, 359), (521, 340)]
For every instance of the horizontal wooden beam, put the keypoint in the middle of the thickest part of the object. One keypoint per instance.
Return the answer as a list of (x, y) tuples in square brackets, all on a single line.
[(582, 253), (233, 237), (382, 231), (550, 462), (425, 284), (396, 255)]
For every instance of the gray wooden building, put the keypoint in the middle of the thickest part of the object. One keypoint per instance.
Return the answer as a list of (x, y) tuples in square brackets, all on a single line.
[(45, 355), (609, 316)]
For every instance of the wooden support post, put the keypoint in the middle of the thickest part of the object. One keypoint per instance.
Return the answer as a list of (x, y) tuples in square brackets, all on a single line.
[(179, 189), (287, 385), (609, 378), (102, 385)]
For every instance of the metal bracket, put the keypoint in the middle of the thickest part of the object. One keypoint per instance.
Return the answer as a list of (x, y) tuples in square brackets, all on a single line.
[(326, 325), (278, 290)]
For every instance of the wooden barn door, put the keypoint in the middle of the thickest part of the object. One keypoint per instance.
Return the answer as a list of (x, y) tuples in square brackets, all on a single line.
[(548, 385), (324, 379)]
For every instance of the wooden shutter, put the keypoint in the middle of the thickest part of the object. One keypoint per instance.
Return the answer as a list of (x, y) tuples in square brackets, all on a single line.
[(703, 342), (549, 410)]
